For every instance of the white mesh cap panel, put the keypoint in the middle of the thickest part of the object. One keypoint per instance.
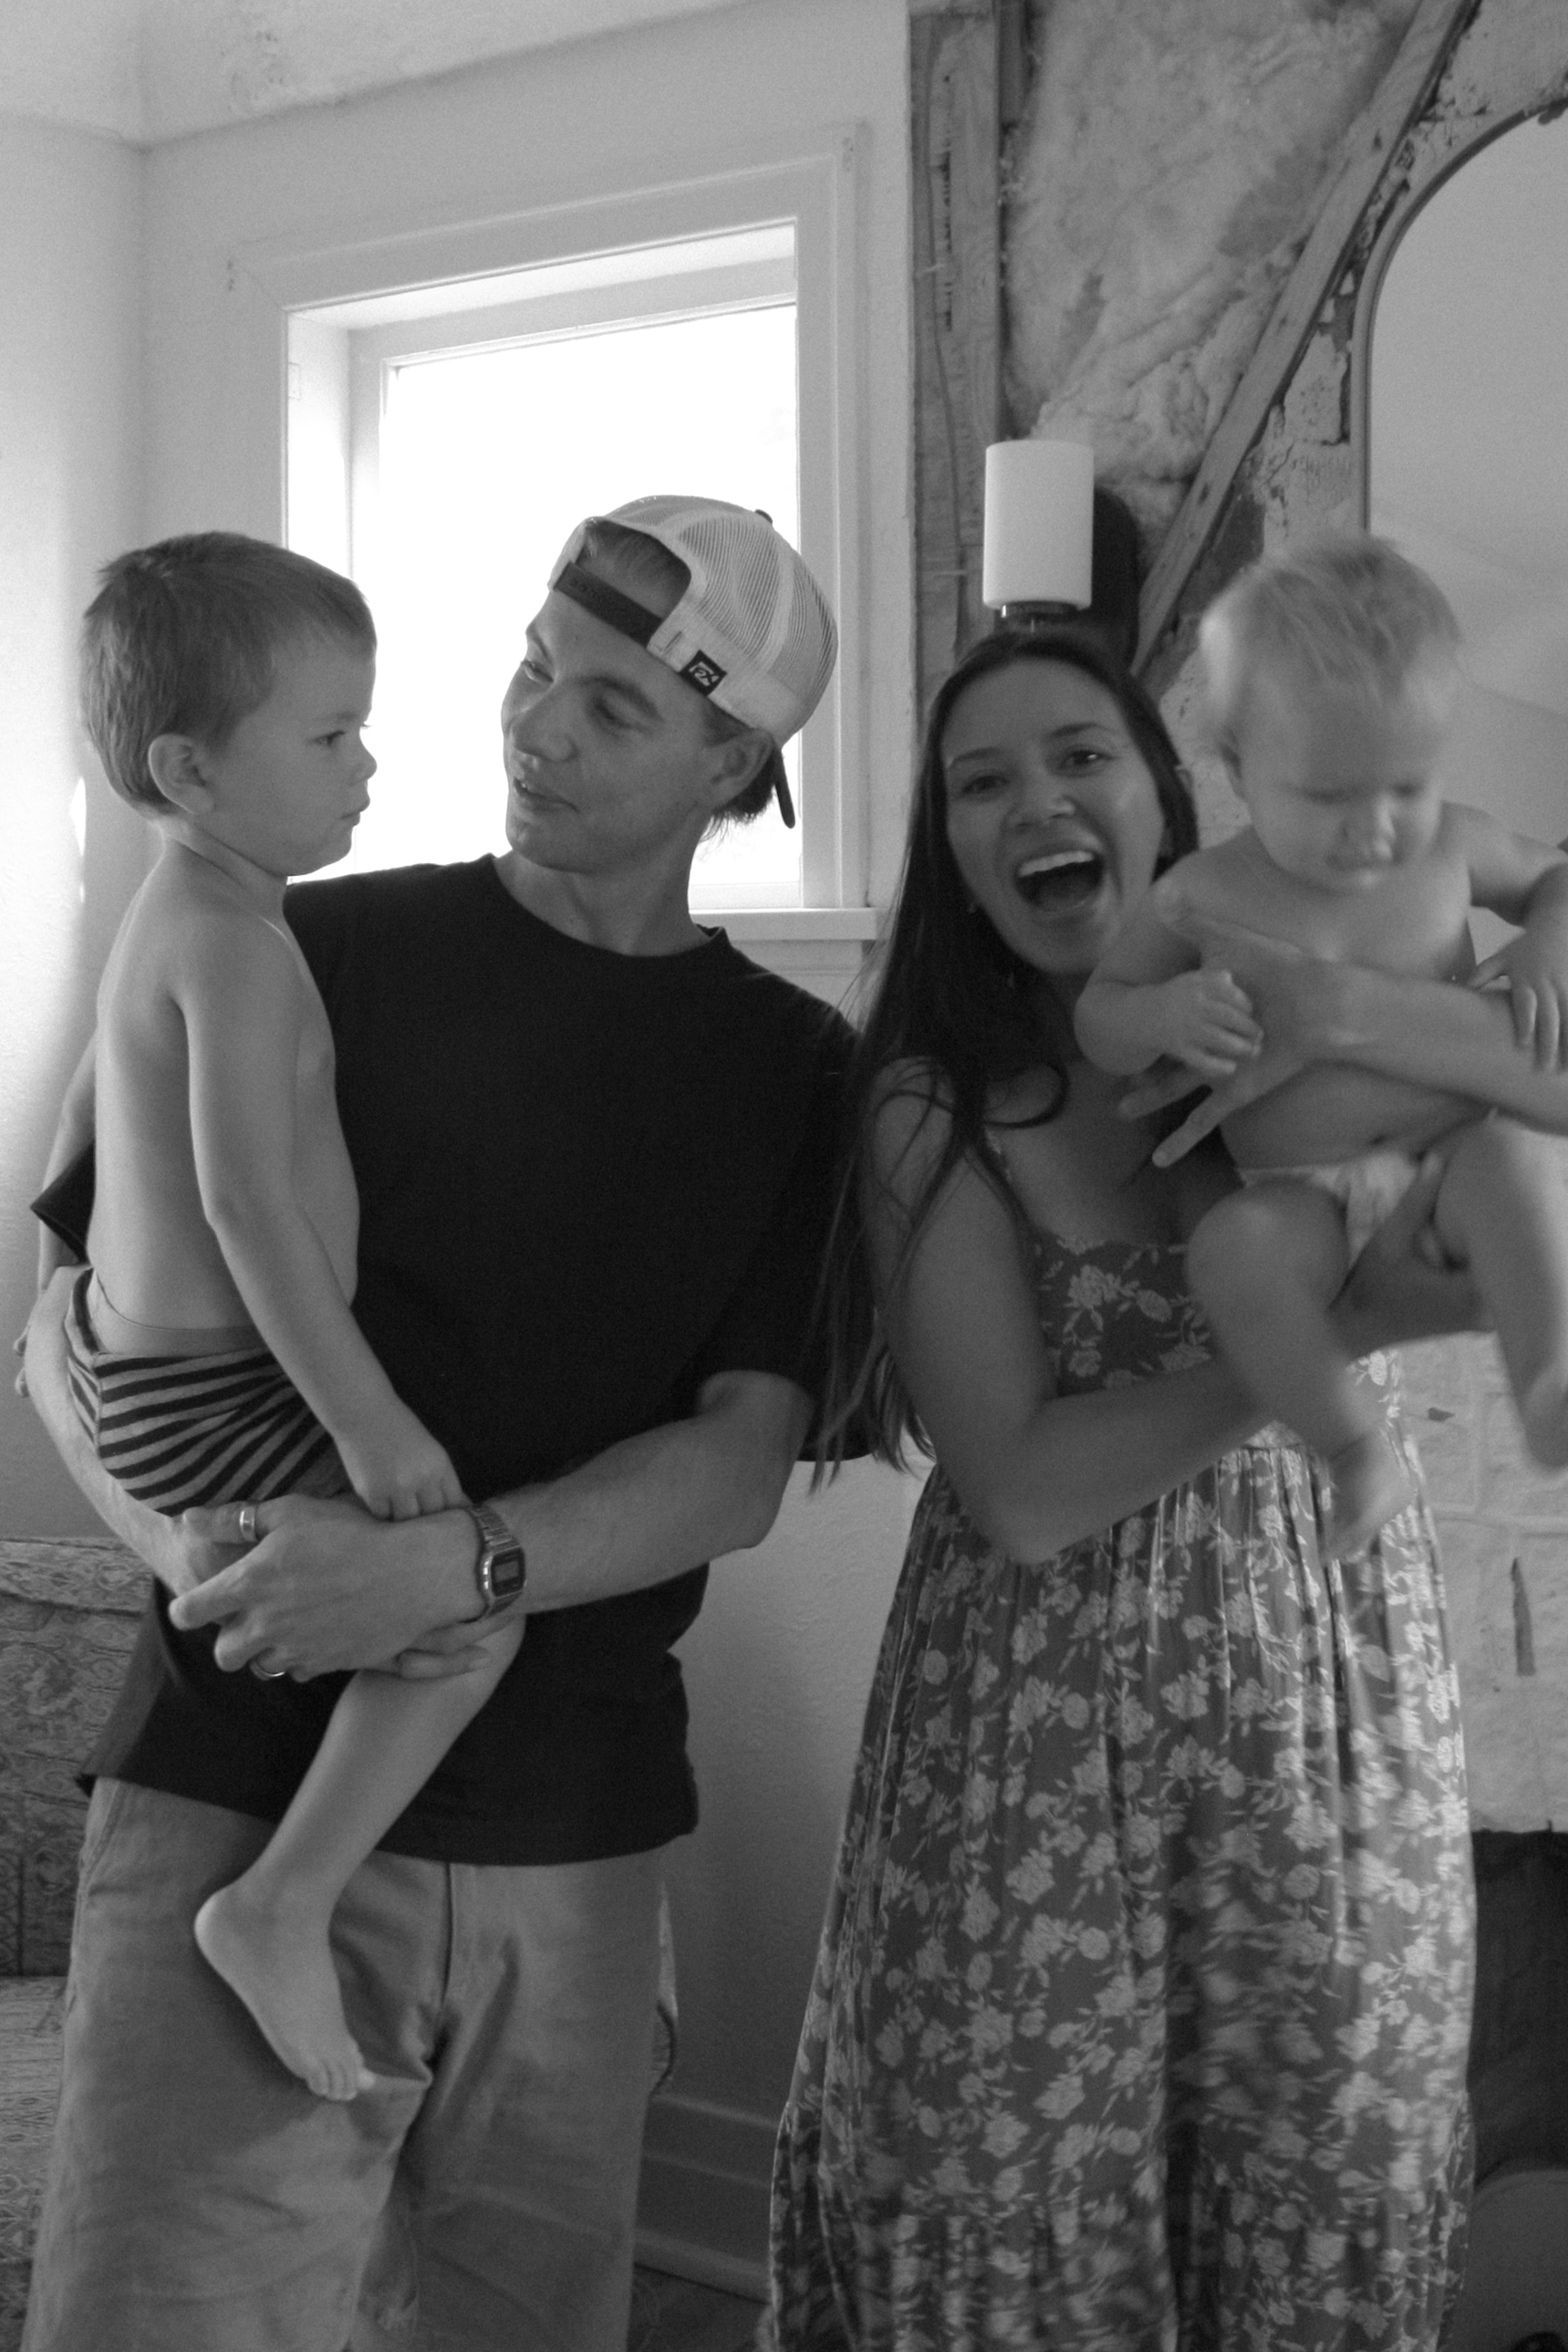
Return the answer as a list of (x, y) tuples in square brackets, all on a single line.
[(752, 610)]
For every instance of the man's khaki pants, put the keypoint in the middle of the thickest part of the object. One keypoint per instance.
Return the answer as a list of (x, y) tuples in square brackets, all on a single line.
[(481, 2198)]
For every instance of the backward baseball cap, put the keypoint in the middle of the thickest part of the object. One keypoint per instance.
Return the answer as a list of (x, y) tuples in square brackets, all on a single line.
[(752, 631)]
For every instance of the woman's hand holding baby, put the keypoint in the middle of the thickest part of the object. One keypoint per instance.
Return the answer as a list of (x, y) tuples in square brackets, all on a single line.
[(1452, 1039), (1208, 1022), (1534, 965), (1292, 1006)]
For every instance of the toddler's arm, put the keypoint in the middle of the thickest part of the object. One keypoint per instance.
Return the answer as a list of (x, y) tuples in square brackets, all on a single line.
[(1526, 882), (73, 1133), (243, 998), (1150, 995)]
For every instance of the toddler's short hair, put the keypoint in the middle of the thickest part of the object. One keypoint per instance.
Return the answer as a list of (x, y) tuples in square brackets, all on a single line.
[(182, 638), (1347, 611)]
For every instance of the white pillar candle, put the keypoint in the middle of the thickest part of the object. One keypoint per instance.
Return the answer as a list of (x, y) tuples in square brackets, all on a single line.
[(1040, 523)]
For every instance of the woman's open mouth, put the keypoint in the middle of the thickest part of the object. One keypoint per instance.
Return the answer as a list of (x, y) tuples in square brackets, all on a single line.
[(1060, 881)]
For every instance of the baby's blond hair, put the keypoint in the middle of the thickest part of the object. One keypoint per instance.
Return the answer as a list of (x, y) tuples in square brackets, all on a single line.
[(1348, 613)]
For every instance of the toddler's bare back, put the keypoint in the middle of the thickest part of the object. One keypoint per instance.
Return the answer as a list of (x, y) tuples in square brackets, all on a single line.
[(152, 1244)]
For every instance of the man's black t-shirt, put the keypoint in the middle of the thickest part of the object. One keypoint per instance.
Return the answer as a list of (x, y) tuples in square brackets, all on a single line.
[(587, 1182)]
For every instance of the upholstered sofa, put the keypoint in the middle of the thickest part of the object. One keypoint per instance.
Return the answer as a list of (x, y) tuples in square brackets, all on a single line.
[(68, 1618)]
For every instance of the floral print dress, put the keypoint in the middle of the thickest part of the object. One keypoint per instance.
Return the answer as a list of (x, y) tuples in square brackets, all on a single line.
[(1140, 2018)]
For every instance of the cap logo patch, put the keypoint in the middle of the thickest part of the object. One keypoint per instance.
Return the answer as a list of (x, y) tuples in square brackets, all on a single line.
[(703, 672)]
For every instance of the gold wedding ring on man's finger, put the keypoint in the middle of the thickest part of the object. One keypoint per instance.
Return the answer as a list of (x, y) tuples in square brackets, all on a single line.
[(250, 1535)]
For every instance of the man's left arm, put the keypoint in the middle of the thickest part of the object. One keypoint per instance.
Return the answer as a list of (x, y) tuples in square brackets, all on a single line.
[(327, 1588), (655, 1506)]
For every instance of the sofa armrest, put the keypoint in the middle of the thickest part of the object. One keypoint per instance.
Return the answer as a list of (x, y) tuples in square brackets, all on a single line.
[(68, 1613)]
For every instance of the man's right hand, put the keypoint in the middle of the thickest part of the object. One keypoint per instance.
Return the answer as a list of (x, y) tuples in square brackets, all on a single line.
[(212, 1539), (327, 1588)]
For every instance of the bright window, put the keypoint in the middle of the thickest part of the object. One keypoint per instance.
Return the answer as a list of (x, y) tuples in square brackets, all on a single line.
[(441, 454)]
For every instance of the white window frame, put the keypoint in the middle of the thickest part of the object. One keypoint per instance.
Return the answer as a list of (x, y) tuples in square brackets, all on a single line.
[(426, 272)]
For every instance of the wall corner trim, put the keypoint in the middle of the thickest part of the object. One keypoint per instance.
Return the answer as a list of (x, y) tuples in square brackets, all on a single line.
[(706, 2175)]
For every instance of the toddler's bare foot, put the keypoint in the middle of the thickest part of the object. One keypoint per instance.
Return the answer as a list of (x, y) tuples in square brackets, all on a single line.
[(1543, 1409), (1369, 1486), (281, 1967)]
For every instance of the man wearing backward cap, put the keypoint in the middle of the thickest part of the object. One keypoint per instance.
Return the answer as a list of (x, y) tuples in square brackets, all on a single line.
[(594, 1151)]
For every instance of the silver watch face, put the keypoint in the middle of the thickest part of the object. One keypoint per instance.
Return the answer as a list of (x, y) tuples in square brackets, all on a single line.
[(501, 1569), (504, 1570)]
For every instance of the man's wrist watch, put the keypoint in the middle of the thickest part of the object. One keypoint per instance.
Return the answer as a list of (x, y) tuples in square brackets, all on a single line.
[(501, 1569)]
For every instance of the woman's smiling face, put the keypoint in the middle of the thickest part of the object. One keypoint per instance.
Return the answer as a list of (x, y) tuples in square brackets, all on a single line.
[(1053, 815)]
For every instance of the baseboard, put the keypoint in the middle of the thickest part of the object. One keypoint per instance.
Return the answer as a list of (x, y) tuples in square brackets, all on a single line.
[(703, 2210), (676, 2259)]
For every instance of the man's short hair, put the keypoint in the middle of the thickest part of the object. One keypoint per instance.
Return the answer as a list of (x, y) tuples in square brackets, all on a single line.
[(1347, 612), (182, 638)]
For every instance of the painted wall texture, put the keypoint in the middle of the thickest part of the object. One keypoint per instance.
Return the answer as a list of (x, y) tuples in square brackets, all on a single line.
[(152, 70), (70, 244), (1162, 183)]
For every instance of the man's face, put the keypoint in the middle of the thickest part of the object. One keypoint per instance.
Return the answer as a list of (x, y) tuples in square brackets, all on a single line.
[(607, 752)]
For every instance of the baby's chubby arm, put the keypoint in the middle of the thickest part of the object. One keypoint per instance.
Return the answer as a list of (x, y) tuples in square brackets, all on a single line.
[(243, 996), (1450, 1038), (1526, 882), (1151, 994)]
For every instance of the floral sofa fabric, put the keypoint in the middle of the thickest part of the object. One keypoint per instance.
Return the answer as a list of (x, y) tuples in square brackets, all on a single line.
[(68, 1619)]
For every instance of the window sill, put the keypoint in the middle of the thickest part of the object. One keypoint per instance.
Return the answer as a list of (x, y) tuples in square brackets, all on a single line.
[(822, 948), (799, 925)]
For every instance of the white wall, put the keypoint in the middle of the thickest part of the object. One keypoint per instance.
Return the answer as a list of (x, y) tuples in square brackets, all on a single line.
[(778, 1665), (70, 245), (153, 69), (780, 1662)]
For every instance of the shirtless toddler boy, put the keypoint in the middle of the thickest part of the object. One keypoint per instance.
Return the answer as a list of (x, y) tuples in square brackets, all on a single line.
[(226, 684), (1331, 676)]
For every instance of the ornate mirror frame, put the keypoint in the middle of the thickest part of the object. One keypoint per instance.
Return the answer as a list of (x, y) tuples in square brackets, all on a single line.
[(1291, 453), (1510, 68)]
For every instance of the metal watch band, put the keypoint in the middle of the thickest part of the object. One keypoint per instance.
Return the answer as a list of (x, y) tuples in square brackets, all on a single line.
[(501, 1569)]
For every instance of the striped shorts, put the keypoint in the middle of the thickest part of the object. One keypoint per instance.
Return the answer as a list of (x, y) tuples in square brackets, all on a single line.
[(176, 1429)]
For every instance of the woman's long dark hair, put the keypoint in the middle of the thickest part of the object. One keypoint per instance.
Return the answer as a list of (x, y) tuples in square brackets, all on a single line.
[(951, 998)]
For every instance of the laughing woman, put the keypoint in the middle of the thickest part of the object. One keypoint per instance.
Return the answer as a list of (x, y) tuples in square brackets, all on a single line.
[(1141, 2012)]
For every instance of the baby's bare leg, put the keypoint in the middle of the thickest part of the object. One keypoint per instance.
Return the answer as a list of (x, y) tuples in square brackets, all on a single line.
[(1266, 1264), (1503, 1210), (267, 1934)]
